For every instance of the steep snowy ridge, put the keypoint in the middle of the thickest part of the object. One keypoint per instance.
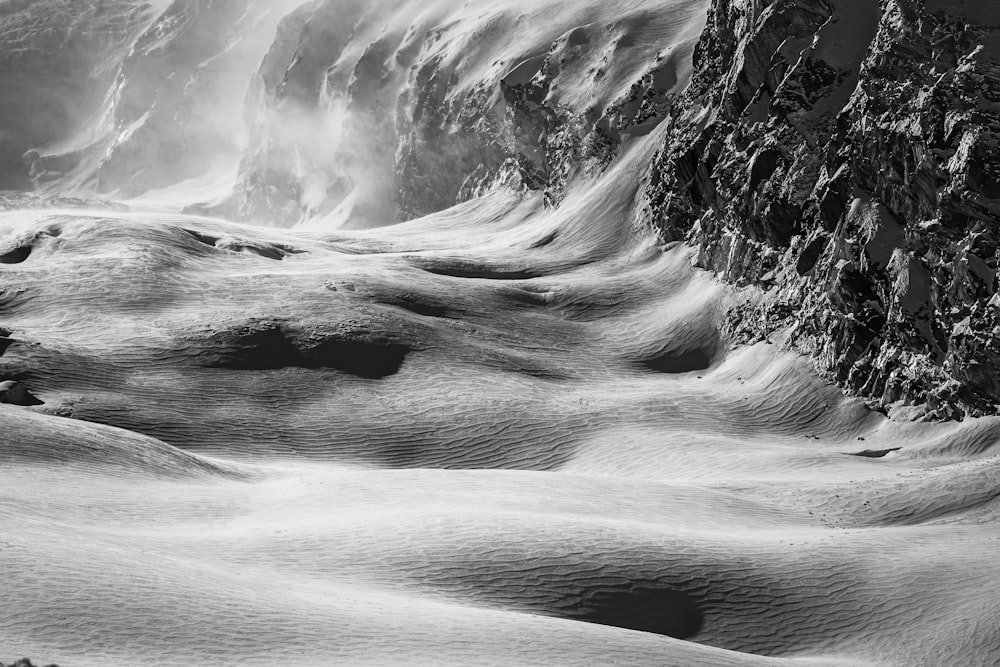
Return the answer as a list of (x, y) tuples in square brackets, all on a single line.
[(57, 59), (172, 111), (346, 112), (435, 106)]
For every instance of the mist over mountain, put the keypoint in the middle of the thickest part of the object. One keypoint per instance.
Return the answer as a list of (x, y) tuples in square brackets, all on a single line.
[(504, 332)]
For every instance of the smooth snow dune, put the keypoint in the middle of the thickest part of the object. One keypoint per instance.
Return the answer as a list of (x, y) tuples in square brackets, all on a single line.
[(36, 439)]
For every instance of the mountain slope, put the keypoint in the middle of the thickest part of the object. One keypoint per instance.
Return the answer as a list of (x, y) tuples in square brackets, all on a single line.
[(560, 413)]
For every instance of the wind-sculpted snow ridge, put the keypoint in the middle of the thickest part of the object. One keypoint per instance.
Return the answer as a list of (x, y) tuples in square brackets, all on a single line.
[(501, 434)]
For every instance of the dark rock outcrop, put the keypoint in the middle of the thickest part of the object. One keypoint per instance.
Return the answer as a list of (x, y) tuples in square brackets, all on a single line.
[(839, 158)]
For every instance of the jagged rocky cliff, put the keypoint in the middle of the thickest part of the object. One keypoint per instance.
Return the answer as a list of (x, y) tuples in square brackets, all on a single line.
[(840, 158)]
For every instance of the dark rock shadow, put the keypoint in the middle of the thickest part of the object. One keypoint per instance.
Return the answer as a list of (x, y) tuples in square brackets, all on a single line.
[(679, 362), (273, 348), (874, 453), (465, 269), (660, 611), (17, 255), (15, 393)]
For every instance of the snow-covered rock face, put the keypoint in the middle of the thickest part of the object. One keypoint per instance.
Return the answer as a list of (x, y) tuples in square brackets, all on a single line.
[(172, 109), (371, 113), (354, 113), (841, 156), (56, 62)]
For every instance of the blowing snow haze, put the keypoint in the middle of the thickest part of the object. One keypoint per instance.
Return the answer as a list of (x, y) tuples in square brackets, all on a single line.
[(514, 332)]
